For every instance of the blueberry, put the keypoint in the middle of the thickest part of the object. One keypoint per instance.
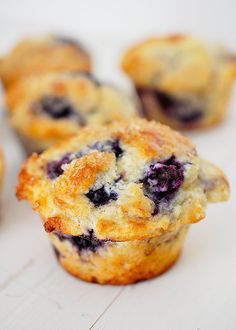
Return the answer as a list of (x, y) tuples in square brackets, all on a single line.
[(115, 147), (162, 180), (108, 146), (180, 109), (54, 168), (103, 146), (86, 242), (56, 107), (101, 196)]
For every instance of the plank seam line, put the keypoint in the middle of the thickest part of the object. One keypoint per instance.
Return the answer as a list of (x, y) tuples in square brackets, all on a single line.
[(108, 306), (17, 274)]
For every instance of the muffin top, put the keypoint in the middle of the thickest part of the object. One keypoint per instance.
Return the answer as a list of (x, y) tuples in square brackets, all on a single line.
[(53, 106), (42, 55), (176, 63), (129, 181)]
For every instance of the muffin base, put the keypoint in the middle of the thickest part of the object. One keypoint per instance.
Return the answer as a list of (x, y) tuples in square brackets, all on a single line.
[(214, 109), (121, 263)]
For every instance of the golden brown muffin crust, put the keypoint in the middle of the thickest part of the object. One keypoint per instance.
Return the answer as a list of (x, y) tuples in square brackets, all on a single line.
[(63, 202), (35, 56), (181, 81), (169, 63)]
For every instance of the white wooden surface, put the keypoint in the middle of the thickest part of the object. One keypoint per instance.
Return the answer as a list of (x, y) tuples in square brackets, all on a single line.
[(200, 291)]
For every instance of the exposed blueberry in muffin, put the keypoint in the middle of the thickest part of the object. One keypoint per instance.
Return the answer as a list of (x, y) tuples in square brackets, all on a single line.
[(108, 146), (101, 196), (54, 168), (58, 107), (88, 242), (162, 180), (103, 146), (179, 109)]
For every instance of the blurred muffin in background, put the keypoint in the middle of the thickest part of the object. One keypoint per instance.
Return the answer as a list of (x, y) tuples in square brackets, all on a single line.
[(42, 55), (181, 81), (49, 108)]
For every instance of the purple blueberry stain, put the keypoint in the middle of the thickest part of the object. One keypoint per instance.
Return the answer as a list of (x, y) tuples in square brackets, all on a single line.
[(55, 168), (162, 180), (58, 107), (101, 196), (85, 242), (180, 109), (108, 146), (111, 146)]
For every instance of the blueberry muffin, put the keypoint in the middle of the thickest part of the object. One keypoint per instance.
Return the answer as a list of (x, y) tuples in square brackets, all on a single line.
[(117, 200), (52, 107), (181, 81), (41, 55)]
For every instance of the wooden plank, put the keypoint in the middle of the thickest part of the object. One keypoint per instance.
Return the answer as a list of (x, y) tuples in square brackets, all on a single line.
[(198, 293), (34, 291), (44, 296)]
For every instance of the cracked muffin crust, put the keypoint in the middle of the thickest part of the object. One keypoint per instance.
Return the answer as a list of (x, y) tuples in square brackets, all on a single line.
[(52, 107), (181, 81), (124, 182), (41, 55)]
